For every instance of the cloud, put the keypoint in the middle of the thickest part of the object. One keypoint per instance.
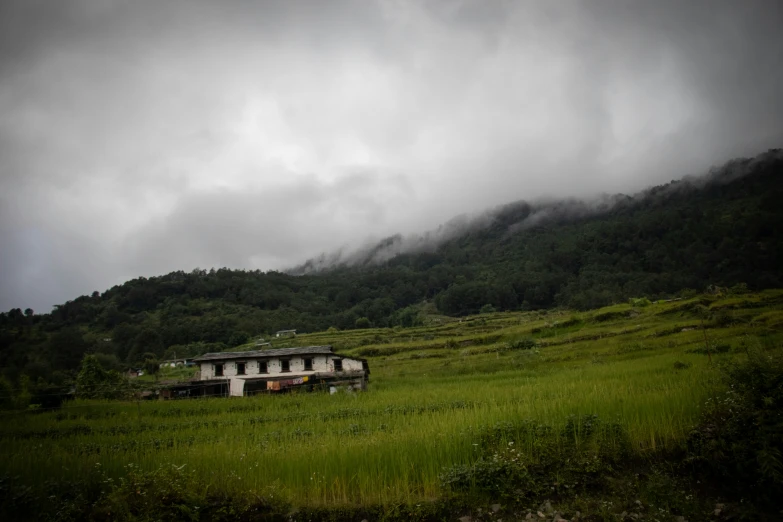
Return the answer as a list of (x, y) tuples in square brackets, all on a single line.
[(142, 137)]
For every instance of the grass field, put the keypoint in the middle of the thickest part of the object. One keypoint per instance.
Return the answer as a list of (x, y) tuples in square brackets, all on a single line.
[(434, 392)]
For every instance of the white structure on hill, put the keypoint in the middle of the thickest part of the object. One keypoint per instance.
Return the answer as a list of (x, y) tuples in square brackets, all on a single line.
[(253, 371)]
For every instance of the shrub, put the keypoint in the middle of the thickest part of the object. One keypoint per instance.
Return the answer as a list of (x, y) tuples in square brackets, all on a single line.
[(151, 366), (93, 382), (739, 288), (501, 476), (738, 442), (580, 457), (487, 309)]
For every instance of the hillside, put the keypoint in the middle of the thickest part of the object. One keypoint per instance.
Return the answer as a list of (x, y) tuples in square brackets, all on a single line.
[(721, 229), (600, 412)]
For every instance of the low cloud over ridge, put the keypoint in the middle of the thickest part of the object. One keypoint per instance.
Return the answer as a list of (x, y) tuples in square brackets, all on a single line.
[(143, 137)]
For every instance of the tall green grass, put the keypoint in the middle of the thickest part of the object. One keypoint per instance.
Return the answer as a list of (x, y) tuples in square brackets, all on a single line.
[(420, 415)]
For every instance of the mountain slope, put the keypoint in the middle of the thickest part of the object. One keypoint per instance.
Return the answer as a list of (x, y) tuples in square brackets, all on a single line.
[(720, 229)]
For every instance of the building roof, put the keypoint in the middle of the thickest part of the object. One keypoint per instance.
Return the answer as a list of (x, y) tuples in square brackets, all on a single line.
[(256, 354)]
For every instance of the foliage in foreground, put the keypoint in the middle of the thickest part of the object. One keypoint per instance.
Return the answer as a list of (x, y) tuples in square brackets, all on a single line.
[(572, 472), (738, 444), (521, 467)]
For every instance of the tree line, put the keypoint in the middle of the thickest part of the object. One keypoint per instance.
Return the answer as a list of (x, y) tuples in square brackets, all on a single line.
[(720, 229)]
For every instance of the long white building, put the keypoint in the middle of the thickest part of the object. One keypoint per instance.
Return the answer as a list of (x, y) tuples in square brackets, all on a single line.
[(246, 373)]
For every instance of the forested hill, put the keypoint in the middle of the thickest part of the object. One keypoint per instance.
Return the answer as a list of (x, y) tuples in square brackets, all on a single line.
[(722, 229)]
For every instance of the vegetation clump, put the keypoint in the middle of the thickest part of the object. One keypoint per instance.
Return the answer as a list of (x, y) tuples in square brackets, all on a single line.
[(738, 446)]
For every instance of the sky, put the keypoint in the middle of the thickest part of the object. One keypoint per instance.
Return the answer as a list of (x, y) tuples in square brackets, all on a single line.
[(145, 136)]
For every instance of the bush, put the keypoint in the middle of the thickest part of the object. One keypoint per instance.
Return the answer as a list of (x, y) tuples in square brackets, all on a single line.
[(407, 317), (362, 322), (500, 476), (93, 382), (579, 458), (487, 309), (738, 289), (739, 441)]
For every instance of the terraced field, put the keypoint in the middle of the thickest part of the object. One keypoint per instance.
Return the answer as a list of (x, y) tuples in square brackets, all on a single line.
[(436, 393)]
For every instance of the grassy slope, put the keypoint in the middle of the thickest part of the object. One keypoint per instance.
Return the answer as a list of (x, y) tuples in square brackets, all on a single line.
[(433, 389)]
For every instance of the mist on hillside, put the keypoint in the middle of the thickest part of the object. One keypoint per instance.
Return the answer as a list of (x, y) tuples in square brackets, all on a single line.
[(142, 138), (521, 215)]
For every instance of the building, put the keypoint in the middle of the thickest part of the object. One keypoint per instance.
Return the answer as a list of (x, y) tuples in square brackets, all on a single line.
[(247, 373), (173, 363), (286, 333)]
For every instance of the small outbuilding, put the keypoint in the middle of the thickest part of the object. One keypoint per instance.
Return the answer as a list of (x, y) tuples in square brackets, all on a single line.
[(173, 363)]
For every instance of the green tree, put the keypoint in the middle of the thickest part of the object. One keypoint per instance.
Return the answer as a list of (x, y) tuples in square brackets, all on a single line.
[(238, 339), (151, 365), (407, 317), (24, 396), (148, 341), (6, 394), (93, 382), (67, 347), (362, 322), (487, 309)]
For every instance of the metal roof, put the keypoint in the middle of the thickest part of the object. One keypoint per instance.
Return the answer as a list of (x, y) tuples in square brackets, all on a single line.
[(256, 354)]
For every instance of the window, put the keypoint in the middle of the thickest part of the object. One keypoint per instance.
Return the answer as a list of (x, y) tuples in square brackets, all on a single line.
[(262, 367), (218, 370), (308, 364), (241, 368), (338, 365), (285, 365)]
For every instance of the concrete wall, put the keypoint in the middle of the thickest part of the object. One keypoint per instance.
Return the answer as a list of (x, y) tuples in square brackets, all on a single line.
[(351, 365), (321, 364)]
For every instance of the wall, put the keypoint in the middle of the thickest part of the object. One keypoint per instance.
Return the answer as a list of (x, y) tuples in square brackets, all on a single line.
[(321, 364), (352, 365)]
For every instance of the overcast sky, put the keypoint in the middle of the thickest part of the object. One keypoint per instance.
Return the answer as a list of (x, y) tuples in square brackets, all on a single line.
[(142, 137)]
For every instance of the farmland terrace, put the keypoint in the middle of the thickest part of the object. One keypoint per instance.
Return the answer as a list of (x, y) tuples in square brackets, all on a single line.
[(489, 416)]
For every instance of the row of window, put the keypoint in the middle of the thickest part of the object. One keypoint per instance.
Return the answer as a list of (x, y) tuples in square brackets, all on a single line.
[(285, 366)]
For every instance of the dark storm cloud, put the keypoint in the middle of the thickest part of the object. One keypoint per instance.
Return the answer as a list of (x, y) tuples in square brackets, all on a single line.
[(143, 137)]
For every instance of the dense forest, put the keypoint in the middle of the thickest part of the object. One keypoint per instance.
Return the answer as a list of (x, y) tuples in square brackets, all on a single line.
[(720, 229)]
